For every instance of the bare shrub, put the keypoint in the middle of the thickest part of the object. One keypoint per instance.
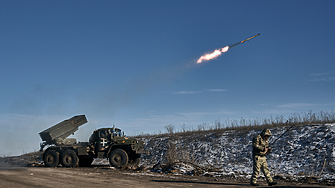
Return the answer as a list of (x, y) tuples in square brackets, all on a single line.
[(183, 127), (169, 128), (170, 154)]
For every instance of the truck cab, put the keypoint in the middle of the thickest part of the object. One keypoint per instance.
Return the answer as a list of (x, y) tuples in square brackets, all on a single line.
[(102, 138)]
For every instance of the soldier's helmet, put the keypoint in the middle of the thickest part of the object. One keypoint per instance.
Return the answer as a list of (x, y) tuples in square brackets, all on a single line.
[(266, 132)]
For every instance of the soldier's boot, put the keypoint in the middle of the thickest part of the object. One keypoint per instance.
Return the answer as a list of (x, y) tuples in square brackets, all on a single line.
[(254, 184), (272, 183)]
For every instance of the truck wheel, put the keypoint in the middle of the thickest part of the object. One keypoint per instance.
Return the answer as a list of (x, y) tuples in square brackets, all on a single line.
[(51, 158), (118, 158), (69, 158), (135, 162), (84, 162)]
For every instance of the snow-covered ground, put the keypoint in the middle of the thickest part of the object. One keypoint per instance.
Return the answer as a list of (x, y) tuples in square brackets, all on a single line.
[(306, 150)]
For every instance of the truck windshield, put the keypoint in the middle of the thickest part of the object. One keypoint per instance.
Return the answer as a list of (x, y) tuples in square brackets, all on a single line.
[(116, 132), (103, 134)]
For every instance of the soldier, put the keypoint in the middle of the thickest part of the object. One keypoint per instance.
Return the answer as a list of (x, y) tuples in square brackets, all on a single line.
[(260, 148)]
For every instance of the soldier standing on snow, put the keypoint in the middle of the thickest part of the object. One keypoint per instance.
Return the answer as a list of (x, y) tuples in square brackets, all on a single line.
[(260, 148)]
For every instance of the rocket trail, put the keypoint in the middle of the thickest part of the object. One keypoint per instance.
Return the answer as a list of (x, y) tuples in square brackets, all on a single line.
[(244, 40), (218, 52)]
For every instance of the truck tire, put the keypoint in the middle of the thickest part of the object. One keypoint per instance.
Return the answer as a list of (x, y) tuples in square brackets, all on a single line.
[(118, 158), (51, 158), (69, 158), (135, 162), (85, 162)]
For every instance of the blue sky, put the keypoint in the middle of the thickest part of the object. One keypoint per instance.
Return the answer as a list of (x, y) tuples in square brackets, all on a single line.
[(132, 64)]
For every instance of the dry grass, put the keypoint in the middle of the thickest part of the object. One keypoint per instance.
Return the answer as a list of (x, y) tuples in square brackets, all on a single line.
[(250, 124)]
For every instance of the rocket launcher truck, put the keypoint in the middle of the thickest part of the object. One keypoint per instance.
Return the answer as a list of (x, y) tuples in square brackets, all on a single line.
[(103, 143)]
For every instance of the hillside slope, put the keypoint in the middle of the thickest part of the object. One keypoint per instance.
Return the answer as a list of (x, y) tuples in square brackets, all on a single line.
[(306, 150)]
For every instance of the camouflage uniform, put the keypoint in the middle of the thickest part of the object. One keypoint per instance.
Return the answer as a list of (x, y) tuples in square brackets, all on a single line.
[(259, 143)]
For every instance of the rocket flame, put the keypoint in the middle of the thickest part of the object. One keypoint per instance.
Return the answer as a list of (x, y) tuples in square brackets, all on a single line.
[(218, 52), (213, 55)]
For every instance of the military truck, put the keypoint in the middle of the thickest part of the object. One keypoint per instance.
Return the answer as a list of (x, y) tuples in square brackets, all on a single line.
[(104, 143)]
